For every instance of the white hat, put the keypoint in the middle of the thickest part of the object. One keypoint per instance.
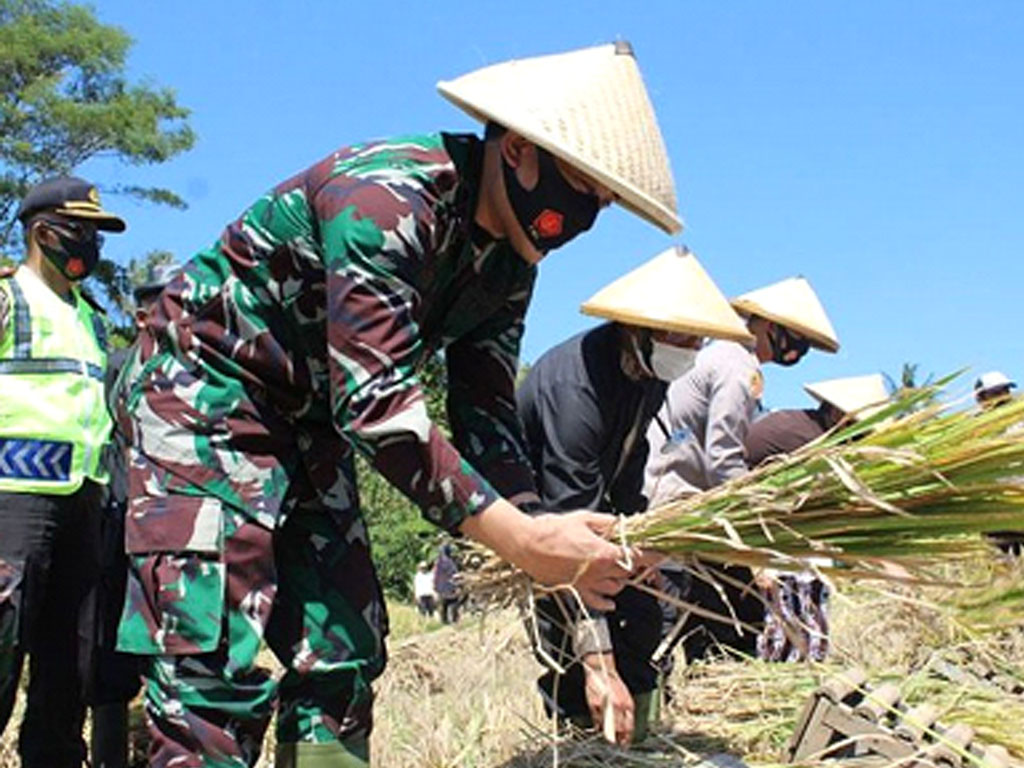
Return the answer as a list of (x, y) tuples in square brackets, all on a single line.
[(992, 380), (857, 396), (794, 304), (588, 107), (670, 292)]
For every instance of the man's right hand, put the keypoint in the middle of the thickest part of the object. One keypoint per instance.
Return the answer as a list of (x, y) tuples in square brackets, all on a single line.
[(611, 705), (555, 549)]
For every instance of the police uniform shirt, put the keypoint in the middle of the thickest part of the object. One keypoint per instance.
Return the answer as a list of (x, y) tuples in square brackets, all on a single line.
[(696, 438)]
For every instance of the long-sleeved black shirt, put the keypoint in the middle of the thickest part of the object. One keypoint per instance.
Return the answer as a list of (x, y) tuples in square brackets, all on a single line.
[(585, 422)]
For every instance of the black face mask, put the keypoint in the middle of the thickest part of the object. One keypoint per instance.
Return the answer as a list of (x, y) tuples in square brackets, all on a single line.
[(785, 343), (79, 249), (553, 212)]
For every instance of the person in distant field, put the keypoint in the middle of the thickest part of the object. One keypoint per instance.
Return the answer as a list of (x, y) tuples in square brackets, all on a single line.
[(423, 589), (796, 619), (585, 406), (53, 428), (991, 390), (296, 340), (696, 440), (446, 585), (117, 679)]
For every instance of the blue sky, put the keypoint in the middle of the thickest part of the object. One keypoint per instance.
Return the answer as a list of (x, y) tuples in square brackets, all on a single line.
[(877, 148)]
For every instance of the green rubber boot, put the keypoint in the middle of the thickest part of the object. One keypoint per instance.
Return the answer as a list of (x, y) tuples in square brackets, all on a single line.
[(644, 707), (351, 754)]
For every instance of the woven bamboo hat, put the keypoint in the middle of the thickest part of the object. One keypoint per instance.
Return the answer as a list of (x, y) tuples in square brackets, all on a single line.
[(858, 396), (670, 292), (794, 304), (588, 107)]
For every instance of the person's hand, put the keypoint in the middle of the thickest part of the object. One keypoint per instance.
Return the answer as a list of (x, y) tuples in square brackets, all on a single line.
[(611, 705), (572, 548), (555, 549)]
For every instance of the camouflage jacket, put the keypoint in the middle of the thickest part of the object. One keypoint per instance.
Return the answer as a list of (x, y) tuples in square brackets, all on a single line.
[(310, 319)]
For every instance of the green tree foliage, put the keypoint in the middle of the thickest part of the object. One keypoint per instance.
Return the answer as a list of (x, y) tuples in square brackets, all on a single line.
[(64, 99), (400, 537)]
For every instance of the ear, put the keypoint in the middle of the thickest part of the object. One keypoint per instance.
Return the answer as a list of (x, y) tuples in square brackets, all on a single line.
[(513, 148), (44, 235)]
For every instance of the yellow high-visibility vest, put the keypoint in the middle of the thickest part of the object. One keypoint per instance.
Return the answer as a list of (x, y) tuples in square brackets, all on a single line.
[(53, 415)]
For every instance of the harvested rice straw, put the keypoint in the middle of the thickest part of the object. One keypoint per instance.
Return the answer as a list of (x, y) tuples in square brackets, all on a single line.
[(886, 498)]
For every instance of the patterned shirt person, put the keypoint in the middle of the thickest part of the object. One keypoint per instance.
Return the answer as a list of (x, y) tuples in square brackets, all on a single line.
[(796, 617)]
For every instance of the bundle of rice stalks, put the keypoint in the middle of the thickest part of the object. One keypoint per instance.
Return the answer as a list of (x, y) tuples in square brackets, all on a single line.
[(909, 486), (913, 485)]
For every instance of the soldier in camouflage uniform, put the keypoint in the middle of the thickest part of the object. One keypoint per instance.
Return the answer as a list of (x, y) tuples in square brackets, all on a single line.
[(292, 342)]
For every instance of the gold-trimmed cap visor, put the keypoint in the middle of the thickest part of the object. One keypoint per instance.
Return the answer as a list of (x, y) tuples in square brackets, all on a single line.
[(72, 197)]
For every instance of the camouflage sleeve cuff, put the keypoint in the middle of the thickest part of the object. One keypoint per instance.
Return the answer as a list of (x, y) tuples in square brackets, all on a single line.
[(471, 494), (433, 474)]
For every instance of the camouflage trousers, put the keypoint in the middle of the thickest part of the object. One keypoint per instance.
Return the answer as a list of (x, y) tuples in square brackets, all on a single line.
[(310, 592)]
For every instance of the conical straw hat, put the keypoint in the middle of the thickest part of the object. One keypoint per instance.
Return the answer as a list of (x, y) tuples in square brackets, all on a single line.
[(671, 292), (859, 396), (588, 107), (792, 303)]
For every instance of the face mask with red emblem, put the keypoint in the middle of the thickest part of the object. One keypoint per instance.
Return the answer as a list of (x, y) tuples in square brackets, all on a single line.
[(553, 212), (79, 249)]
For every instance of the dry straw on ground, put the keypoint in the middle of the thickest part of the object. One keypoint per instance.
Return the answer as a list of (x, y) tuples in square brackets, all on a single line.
[(464, 695)]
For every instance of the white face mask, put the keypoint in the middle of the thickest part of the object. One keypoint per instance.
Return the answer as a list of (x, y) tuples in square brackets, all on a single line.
[(669, 362)]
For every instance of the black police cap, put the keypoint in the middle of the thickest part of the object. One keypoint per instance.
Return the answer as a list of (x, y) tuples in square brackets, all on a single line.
[(69, 196)]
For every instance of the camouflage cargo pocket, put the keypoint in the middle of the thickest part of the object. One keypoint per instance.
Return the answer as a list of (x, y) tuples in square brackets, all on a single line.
[(175, 600)]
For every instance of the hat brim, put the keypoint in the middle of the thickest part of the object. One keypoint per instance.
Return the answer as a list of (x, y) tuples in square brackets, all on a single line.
[(815, 338), (691, 327), (627, 195), (103, 220)]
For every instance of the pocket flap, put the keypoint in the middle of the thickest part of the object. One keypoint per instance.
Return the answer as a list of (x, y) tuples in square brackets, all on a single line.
[(174, 524)]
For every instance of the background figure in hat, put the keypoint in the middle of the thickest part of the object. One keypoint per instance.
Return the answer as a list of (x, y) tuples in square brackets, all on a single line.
[(696, 438), (784, 431), (993, 388), (117, 674), (296, 340), (796, 619), (585, 408), (53, 426)]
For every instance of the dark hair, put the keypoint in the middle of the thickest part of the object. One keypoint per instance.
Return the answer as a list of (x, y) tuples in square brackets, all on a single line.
[(493, 130)]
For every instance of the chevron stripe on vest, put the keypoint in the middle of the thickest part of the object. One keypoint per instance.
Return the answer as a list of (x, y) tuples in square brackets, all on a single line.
[(35, 459)]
